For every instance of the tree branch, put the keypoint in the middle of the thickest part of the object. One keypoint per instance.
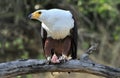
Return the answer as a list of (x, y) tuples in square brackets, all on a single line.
[(85, 65)]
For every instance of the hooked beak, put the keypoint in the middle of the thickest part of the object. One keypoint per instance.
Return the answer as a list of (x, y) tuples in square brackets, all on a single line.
[(34, 15), (29, 16)]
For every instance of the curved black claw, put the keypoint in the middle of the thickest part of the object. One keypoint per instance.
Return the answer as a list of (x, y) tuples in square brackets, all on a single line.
[(48, 61), (63, 59)]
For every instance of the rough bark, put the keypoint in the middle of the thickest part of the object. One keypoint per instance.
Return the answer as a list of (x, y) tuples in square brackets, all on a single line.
[(84, 65)]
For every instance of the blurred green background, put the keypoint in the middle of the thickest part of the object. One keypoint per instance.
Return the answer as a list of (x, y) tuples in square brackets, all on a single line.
[(98, 21)]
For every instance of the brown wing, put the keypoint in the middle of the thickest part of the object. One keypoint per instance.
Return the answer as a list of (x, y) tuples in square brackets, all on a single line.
[(74, 37), (44, 36)]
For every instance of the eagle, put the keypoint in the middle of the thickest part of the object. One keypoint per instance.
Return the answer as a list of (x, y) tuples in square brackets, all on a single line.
[(58, 33)]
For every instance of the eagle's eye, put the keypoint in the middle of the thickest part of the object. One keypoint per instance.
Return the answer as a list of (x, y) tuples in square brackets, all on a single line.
[(39, 12)]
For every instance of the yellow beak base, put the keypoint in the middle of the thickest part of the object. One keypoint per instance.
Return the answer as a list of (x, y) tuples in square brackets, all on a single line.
[(34, 15)]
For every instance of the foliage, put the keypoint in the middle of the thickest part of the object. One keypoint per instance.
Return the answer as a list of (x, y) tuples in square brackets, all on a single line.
[(98, 21)]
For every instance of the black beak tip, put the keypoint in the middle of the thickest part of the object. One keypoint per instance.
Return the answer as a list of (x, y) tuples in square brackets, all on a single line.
[(29, 16)]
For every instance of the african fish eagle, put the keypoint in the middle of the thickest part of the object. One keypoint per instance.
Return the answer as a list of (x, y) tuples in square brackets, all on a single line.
[(59, 34)]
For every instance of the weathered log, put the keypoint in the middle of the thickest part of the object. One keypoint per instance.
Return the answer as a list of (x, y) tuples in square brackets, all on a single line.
[(84, 65), (20, 67)]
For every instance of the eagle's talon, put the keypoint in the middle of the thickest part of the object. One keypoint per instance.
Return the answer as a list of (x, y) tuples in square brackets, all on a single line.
[(63, 61), (63, 58), (48, 61)]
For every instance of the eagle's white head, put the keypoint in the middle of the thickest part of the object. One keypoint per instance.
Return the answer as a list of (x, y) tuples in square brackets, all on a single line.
[(56, 22), (51, 15)]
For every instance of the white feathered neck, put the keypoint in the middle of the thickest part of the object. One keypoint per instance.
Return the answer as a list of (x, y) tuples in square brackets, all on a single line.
[(56, 22)]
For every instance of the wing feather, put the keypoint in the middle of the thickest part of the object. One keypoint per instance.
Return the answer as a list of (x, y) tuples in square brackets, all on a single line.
[(74, 37), (43, 35)]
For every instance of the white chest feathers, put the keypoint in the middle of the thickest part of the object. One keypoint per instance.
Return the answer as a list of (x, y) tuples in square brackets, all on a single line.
[(57, 23), (57, 32)]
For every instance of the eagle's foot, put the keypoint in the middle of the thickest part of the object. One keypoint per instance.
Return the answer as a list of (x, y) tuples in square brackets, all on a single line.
[(55, 60), (64, 58)]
